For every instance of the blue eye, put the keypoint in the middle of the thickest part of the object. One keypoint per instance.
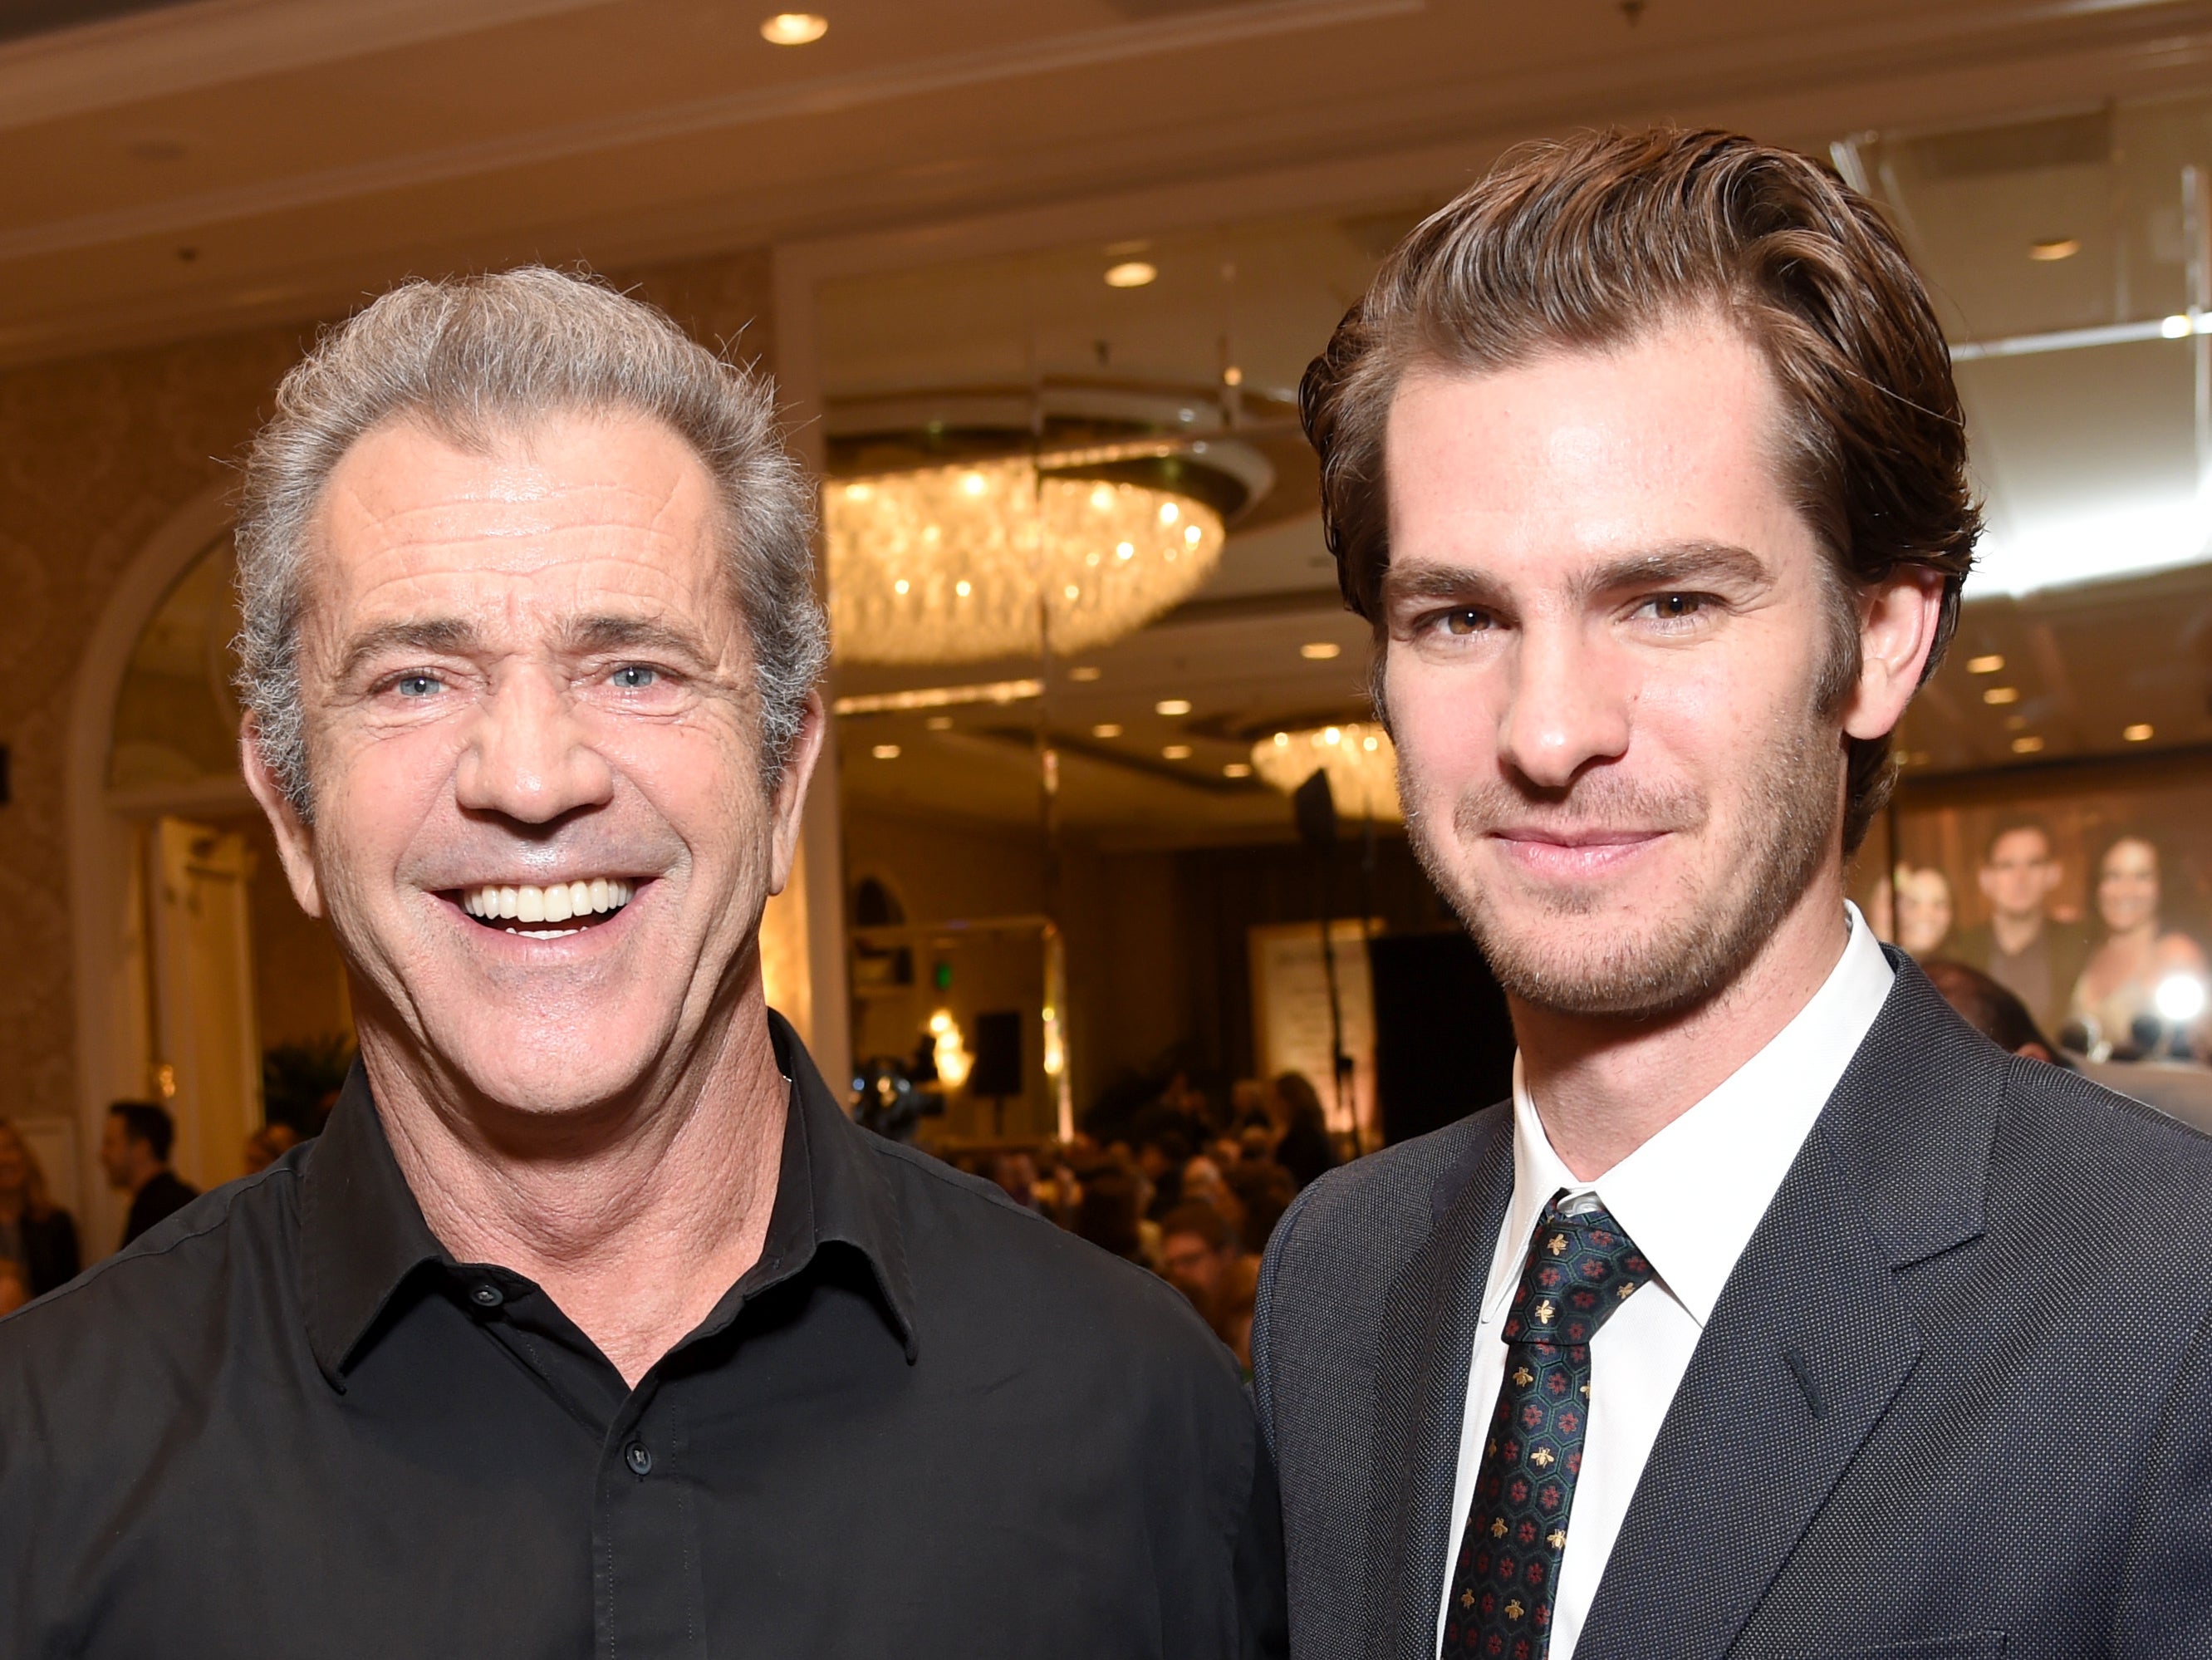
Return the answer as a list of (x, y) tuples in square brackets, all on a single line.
[(635, 677), (417, 685)]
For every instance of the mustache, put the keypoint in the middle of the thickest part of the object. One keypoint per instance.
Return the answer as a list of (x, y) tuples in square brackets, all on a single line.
[(1598, 801)]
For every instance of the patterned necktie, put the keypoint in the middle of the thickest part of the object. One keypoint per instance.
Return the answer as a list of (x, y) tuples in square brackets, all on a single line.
[(1580, 1269)]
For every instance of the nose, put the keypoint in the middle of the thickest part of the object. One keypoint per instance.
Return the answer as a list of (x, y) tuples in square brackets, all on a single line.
[(529, 757), (1566, 707)]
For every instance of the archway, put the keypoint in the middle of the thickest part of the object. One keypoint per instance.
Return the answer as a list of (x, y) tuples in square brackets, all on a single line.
[(191, 958)]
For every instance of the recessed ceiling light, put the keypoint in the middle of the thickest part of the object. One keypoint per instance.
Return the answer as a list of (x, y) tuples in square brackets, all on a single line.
[(795, 29), (1107, 729), (2002, 695), (2054, 248), (885, 751), (1084, 671), (2142, 733), (1172, 706), (1130, 274), (939, 723), (1232, 376), (1320, 651), (2030, 745), (1175, 752), (1989, 664), (1238, 769)]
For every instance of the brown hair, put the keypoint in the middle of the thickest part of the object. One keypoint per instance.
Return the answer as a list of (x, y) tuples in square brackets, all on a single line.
[(37, 1198), (1584, 245)]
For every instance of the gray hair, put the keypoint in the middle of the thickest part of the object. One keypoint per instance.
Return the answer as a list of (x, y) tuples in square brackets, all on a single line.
[(471, 358)]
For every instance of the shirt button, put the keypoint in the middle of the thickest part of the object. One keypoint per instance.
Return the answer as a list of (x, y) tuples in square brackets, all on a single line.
[(640, 1461), (486, 1296)]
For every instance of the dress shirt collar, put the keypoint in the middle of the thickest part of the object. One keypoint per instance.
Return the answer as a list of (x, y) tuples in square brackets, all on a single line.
[(367, 1251), (1691, 1195)]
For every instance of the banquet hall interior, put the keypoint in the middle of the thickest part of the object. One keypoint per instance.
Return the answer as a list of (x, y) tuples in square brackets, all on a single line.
[(1107, 845)]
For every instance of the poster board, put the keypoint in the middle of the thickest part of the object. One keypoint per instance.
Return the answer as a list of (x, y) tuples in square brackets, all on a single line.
[(1290, 1014)]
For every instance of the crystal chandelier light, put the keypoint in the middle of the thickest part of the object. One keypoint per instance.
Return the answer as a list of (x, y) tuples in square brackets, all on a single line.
[(1361, 761), (993, 558)]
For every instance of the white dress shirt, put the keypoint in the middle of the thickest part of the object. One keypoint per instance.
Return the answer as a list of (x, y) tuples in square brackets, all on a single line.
[(1690, 1198)]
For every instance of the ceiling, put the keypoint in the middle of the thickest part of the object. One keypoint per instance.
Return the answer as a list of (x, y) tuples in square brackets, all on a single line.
[(197, 165)]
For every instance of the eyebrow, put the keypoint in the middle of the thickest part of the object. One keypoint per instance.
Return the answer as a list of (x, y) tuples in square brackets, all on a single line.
[(1677, 565), (442, 635), (585, 637), (591, 634)]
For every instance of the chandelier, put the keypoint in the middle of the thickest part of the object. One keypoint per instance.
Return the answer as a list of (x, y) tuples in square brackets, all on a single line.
[(999, 557), (1358, 757)]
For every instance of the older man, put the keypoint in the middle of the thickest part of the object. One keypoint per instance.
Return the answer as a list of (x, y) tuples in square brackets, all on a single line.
[(1777, 1313), (591, 1325)]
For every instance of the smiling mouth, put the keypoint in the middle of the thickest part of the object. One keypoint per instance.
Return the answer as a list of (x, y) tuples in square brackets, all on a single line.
[(552, 912)]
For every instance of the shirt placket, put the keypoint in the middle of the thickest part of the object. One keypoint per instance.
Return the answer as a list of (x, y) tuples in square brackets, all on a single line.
[(649, 1592)]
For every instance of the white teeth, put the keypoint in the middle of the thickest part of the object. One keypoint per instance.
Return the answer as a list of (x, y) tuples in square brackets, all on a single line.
[(555, 903)]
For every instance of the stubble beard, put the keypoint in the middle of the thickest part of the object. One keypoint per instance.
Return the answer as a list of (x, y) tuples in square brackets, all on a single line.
[(1564, 960)]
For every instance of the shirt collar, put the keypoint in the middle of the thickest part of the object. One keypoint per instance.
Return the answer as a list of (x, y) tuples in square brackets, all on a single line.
[(1691, 1195), (363, 1238)]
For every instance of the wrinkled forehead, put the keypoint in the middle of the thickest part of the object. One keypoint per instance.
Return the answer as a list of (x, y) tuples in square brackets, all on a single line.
[(581, 509)]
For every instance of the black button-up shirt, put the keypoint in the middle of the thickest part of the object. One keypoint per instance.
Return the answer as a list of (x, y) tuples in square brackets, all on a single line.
[(926, 1423)]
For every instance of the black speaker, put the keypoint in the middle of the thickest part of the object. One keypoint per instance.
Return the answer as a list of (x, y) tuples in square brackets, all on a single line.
[(1443, 1037), (1315, 809), (997, 1072)]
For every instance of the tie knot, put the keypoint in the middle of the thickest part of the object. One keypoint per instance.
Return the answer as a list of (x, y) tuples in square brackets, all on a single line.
[(1580, 1269)]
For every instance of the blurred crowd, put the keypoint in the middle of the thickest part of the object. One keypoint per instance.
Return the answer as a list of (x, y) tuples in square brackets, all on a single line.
[(1186, 1186)]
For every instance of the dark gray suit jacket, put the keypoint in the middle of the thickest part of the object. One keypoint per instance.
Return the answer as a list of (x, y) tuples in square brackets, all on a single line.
[(1955, 1400)]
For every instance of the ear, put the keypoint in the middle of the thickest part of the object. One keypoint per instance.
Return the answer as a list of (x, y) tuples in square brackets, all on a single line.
[(1897, 631), (790, 803), (295, 839)]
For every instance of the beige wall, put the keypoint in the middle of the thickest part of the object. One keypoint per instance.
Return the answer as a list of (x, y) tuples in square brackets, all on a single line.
[(97, 455)]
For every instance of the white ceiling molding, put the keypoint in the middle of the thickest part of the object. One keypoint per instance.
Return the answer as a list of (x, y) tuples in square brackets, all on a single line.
[(126, 60)]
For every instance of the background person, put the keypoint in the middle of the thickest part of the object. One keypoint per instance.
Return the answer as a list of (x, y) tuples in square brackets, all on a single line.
[(134, 1151), (1991, 1009), (2022, 946), (37, 1236), (1923, 910), (1302, 1140), (2119, 986)]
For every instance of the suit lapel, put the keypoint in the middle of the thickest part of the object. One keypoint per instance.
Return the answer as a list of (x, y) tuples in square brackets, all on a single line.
[(1430, 1316), (1805, 1349), (1811, 1338)]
